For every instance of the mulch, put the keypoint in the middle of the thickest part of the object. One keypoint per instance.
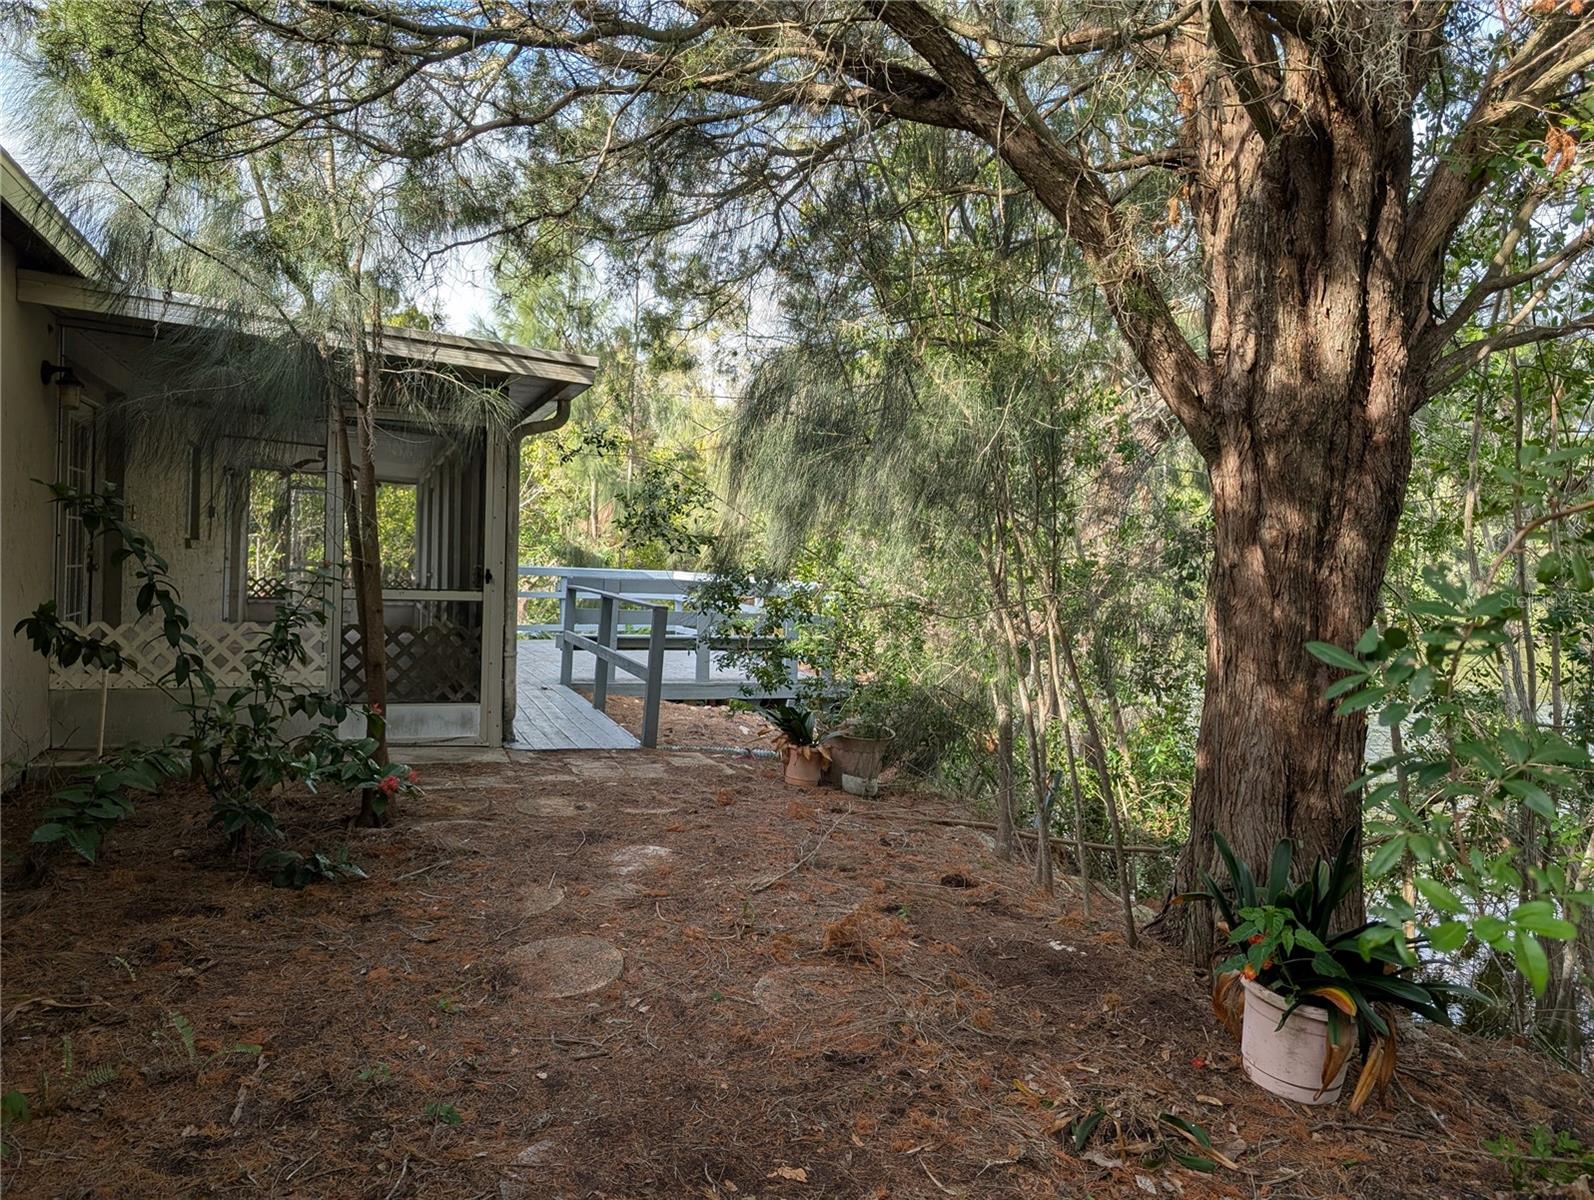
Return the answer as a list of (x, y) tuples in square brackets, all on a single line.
[(818, 996)]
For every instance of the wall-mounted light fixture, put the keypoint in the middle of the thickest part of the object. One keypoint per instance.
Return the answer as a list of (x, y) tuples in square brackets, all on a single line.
[(68, 387)]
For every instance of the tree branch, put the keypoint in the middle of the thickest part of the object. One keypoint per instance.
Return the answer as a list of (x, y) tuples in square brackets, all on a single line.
[(1560, 47), (1240, 72), (1075, 196), (1456, 364)]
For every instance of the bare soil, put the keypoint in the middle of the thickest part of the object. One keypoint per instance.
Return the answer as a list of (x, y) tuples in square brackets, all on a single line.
[(816, 996), (695, 726)]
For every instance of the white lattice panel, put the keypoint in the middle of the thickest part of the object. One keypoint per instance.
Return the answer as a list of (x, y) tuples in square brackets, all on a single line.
[(225, 648)]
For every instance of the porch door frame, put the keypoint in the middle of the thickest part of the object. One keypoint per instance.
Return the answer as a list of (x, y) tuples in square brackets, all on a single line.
[(490, 705)]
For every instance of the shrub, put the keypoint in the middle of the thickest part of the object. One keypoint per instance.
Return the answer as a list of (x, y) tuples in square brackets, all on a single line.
[(237, 743)]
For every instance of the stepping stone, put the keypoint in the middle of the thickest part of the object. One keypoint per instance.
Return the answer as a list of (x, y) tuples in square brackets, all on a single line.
[(797, 991), (537, 1152), (557, 967), (547, 806), (654, 811), (539, 900), (629, 859), (607, 770)]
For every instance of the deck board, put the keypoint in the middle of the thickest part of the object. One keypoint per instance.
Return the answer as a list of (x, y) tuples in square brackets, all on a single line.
[(551, 717)]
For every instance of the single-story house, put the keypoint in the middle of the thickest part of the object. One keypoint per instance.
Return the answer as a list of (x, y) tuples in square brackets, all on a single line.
[(238, 517)]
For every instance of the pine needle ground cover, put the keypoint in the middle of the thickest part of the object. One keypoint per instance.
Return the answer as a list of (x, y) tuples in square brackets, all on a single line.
[(814, 997)]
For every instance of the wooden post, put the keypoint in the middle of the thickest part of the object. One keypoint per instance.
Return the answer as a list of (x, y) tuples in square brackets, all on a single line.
[(600, 672), (705, 658), (653, 686), (567, 626)]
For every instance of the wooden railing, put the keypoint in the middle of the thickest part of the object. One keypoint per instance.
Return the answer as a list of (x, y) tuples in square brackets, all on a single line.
[(605, 649), (640, 593)]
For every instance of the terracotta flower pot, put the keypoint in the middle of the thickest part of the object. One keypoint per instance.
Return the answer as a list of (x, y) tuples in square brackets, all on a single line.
[(804, 769), (855, 762), (1288, 1060)]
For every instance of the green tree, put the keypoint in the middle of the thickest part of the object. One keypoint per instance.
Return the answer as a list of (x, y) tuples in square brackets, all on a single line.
[(1330, 159)]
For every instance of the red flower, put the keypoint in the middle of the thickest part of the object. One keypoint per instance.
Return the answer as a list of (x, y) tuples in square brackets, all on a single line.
[(1255, 938), (414, 776), (1248, 971), (376, 710), (1198, 1063), (389, 786)]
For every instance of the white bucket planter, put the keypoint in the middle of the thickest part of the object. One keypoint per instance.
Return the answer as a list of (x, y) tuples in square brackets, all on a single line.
[(1288, 1061)]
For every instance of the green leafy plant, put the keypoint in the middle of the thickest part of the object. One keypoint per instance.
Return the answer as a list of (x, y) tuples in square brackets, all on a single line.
[(55, 1089), (444, 1113), (1550, 1157), (1479, 811), (237, 744), (91, 805), (1184, 1142), (290, 869), (14, 1111), (177, 1037), (1283, 932), (793, 725)]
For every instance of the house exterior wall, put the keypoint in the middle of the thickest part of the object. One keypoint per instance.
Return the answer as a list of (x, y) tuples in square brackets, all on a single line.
[(27, 522)]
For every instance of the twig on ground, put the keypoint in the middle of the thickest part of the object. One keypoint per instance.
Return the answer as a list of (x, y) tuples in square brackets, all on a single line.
[(765, 884), (945, 1190), (244, 1088), (423, 870), (403, 1168), (578, 849)]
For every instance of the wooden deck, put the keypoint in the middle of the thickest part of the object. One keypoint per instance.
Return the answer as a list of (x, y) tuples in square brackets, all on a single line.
[(537, 660), (550, 717)]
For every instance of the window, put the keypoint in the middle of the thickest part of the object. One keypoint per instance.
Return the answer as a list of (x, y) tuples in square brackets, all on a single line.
[(396, 533), (77, 554), (285, 530)]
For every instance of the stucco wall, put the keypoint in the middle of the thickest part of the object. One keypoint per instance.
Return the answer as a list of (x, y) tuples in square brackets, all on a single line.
[(27, 529)]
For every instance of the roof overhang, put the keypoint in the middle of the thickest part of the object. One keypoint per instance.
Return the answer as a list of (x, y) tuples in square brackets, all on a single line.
[(39, 229), (533, 379)]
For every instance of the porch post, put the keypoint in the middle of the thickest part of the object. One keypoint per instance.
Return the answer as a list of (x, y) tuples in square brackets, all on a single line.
[(600, 672), (493, 491), (567, 626), (654, 689)]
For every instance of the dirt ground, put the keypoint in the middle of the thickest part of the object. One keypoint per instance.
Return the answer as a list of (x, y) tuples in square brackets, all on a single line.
[(816, 996), (694, 726)]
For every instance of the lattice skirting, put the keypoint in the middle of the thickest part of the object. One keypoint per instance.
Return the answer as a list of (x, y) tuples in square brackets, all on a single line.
[(225, 648), (439, 663), (265, 587)]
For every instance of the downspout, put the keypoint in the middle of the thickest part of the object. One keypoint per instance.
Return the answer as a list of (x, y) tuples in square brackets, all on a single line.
[(528, 426)]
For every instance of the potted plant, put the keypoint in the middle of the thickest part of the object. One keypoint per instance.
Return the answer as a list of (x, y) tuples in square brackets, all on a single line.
[(858, 743), (1300, 997), (793, 738)]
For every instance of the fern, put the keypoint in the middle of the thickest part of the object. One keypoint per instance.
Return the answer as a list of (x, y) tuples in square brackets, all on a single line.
[(185, 1033), (98, 1077)]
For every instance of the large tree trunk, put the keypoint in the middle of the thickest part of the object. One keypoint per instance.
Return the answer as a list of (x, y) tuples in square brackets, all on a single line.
[(1310, 333)]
